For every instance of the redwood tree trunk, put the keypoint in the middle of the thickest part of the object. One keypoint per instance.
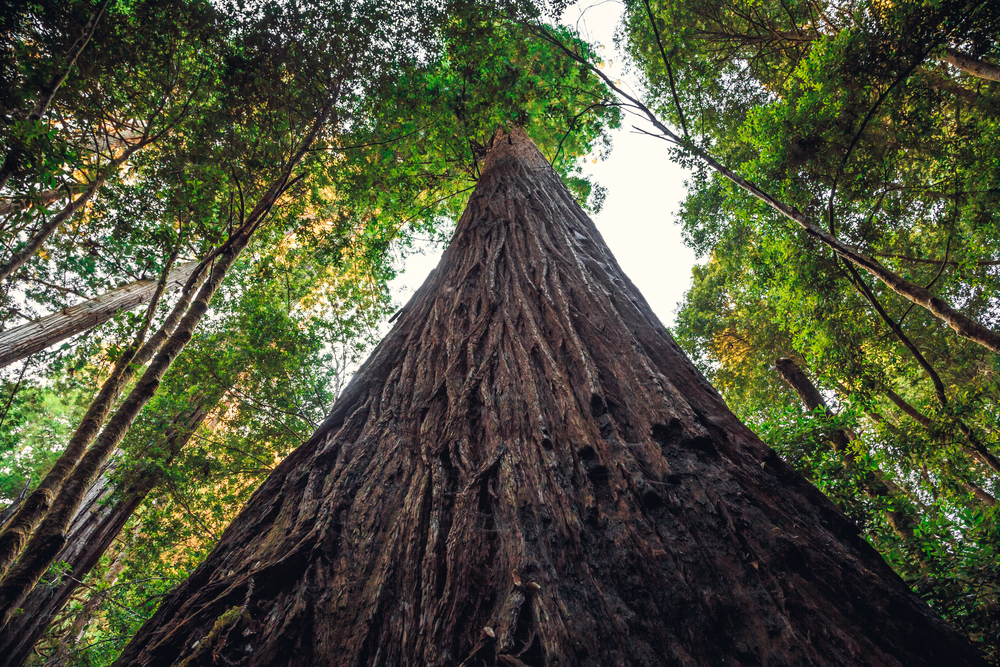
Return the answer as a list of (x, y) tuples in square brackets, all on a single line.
[(25, 340), (528, 471)]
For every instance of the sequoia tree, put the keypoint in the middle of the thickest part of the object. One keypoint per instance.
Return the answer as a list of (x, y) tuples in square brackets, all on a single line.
[(528, 471)]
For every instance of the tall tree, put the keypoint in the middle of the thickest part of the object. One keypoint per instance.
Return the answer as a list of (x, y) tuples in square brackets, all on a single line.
[(528, 471)]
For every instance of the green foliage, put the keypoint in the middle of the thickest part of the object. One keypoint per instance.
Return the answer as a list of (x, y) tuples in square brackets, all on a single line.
[(847, 112), (220, 95)]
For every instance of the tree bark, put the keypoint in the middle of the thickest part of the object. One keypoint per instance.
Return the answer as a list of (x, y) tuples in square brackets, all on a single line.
[(15, 534), (25, 340), (43, 198), (970, 65), (91, 533), (528, 471), (28, 250), (9, 511), (975, 448), (50, 535)]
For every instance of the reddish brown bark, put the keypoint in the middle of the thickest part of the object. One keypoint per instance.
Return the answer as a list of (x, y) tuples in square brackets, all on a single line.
[(528, 471), (25, 340)]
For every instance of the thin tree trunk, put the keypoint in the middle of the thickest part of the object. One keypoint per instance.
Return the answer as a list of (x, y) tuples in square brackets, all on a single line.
[(9, 511), (48, 93), (91, 534), (28, 250), (964, 326), (25, 340), (975, 448), (528, 471), (49, 537), (970, 65), (34, 508), (44, 198), (874, 482)]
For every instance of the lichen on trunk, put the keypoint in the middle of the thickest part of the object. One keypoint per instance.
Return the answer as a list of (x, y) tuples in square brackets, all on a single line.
[(528, 471)]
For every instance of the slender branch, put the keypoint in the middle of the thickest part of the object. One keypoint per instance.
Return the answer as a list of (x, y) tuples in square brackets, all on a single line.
[(963, 325)]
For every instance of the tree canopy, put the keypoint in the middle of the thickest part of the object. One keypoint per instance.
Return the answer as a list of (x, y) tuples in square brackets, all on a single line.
[(843, 202)]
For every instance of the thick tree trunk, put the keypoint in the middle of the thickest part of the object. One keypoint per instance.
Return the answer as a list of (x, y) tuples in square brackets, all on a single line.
[(91, 534), (528, 471), (875, 483), (25, 340)]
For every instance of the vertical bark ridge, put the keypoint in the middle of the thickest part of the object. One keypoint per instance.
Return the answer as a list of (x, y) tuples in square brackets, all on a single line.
[(528, 471)]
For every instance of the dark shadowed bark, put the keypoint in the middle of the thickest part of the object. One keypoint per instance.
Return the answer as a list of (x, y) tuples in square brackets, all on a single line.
[(25, 340), (528, 471), (96, 526)]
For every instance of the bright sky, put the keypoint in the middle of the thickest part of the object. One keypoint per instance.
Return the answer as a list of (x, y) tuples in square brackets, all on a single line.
[(645, 190)]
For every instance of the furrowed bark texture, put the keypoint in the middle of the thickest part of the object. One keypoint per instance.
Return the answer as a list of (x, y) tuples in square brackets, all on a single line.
[(528, 471), (25, 340), (92, 532)]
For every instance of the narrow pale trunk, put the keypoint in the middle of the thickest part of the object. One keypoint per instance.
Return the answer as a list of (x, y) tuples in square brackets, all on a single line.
[(25, 340), (528, 471), (43, 198), (50, 535), (17, 531), (31, 246), (970, 65), (975, 448)]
